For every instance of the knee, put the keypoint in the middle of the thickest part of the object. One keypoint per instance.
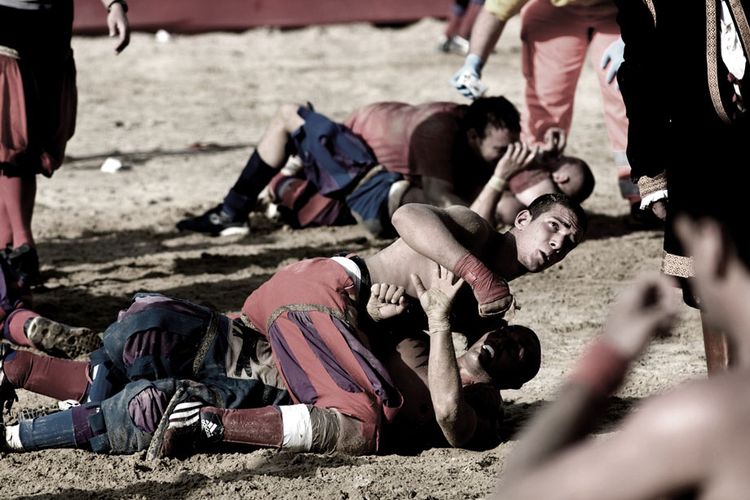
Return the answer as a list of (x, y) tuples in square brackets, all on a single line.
[(287, 119), (147, 408)]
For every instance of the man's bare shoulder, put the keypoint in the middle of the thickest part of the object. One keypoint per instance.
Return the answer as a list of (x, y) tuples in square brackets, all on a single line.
[(698, 414), (469, 220)]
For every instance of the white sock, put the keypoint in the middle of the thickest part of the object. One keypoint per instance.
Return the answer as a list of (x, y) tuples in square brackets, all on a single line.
[(297, 428), (13, 437)]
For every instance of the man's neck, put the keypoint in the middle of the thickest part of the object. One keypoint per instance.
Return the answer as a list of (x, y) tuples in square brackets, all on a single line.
[(505, 260)]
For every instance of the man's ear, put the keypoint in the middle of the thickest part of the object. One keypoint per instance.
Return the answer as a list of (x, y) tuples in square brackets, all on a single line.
[(523, 218), (560, 177)]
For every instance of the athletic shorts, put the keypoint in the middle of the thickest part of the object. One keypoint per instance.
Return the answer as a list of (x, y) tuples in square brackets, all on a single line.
[(334, 158)]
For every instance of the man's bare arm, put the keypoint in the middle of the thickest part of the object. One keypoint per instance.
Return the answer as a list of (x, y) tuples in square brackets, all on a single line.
[(455, 238), (643, 310), (517, 157), (442, 235), (657, 453), (456, 418)]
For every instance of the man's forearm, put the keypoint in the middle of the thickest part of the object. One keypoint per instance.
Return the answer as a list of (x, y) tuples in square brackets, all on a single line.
[(425, 229), (456, 419), (597, 375)]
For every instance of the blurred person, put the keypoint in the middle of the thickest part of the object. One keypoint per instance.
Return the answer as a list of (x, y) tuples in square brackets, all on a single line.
[(662, 450), (37, 109), (556, 37), (684, 157), (461, 17)]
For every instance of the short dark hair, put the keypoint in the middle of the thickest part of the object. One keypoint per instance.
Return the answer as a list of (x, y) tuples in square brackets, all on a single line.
[(545, 202), (531, 360), (587, 182), (497, 111)]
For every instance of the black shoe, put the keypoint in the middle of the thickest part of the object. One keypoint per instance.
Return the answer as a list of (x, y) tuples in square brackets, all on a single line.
[(25, 261), (215, 222)]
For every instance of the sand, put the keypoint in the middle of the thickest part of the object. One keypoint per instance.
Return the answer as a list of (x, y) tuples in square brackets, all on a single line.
[(183, 116)]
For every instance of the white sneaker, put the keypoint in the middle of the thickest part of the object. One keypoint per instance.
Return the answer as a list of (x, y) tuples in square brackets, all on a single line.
[(468, 83)]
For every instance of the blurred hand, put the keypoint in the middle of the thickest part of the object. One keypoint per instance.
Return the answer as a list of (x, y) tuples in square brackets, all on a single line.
[(646, 308), (386, 301), (117, 22), (555, 140), (659, 208), (613, 58)]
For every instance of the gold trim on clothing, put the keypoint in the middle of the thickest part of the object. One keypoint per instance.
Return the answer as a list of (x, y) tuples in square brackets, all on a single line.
[(650, 5), (740, 20), (677, 265), (712, 61), (7, 51), (648, 185)]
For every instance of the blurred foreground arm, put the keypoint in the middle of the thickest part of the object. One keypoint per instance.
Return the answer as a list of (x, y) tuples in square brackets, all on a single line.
[(548, 455)]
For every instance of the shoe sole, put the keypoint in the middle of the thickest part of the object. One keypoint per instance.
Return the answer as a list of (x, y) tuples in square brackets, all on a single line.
[(234, 231), (53, 337)]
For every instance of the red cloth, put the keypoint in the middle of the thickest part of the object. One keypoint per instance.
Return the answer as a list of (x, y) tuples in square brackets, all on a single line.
[(307, 314)]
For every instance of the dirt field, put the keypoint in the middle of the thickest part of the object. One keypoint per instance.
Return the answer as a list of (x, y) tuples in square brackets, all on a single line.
[(103, 237)]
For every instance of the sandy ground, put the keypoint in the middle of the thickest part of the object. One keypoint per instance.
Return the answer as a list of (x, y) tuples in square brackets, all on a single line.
[(103, 237)]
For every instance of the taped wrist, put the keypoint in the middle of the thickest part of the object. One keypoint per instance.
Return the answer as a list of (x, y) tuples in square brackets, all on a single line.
[(491, 291), (601, 368)]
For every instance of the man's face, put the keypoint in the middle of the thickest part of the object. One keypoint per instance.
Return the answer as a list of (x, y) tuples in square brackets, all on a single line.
[(493, 145), (545, 240), (493, 359)]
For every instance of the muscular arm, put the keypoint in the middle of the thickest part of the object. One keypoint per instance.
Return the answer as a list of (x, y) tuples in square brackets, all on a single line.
[(456, 418), (441, 235), (644, 309), (655, 454)]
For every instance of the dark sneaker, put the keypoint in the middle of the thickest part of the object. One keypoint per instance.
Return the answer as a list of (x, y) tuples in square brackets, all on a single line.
[(60, 339), (215, 222), (185, 428), (7, 391), (25, 261)]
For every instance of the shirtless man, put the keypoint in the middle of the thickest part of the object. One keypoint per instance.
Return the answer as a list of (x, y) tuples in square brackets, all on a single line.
[(522, 175), (691, 442), (384, 155), (311, 314), (308, 311)]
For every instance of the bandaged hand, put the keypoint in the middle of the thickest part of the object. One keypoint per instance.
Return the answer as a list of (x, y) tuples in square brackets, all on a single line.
[(386, 301), (467, 79), (437, 301), (613, 57), (491, 291)]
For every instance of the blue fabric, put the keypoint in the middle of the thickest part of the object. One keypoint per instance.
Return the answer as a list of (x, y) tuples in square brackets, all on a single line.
[(333, 157), (369, 203)]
